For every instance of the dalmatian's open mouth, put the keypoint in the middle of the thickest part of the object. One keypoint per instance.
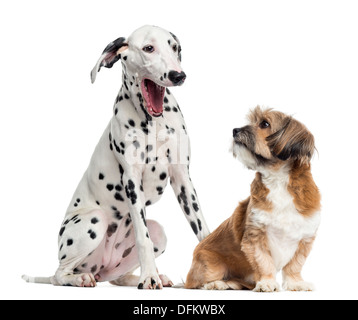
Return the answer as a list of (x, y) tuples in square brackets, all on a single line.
[(153, 95)]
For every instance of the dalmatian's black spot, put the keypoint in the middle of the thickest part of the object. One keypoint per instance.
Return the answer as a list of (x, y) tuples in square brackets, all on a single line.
[(166, 100), (122, 144), (78, 221), (182, 197), (153, 168), (194, 227), (131, 122), (193, 197), (168, 91), (115, 113), (127, 252), (94, 220), (160, 190), (136, 144), (140, 286), (156, 249), (142, 155), (76, 204), (62, 230), (112, 228), (149, 148), (84, 265), (118, 265), (143, 217), (74, 217), (78, 200), (97, 202), (117, 245), (168, 156), (195, 206), (148, 203), (131, 185), (147, 235), (128, 233), (66, 222), (118, 197), (167, 109), (118, 187), (94, 269), (92, 234), (128, 221), (101, 176), (76, 271), (63, 257), (175, 109), (199, 224), (131, 194), (161, 78), (69, 242), (165, 75), (61, 247), (163, 176), (117, 215), (110, 187), (125, 58)]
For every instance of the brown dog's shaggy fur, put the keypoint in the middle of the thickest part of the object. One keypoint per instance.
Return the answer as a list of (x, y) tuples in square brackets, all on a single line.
[(273, 229)]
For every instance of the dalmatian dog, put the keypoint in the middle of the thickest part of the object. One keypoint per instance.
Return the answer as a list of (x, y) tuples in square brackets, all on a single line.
[(105, 235)]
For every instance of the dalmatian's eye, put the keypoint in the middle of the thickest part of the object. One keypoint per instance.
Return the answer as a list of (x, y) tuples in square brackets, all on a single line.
[(264, 125), (148, 49), (175, 48)]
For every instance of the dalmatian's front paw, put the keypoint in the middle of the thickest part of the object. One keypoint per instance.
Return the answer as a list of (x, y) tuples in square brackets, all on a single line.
[(167, 283), (150, 282)]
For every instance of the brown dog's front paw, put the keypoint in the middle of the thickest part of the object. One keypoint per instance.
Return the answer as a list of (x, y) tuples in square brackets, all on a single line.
[(268, 285), (298, 286)]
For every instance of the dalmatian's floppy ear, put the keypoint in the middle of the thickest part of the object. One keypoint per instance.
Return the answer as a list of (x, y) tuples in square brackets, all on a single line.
[(110, 56), (179, 46)]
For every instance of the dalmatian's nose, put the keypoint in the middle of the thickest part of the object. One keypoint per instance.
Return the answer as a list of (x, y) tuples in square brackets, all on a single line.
[(177, 78)]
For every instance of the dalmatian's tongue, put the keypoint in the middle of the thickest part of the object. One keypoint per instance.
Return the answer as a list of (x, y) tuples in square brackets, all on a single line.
[(154, 95)]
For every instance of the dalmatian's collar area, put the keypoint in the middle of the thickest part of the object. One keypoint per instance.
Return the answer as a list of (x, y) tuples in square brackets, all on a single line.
[(105, 235), (146, 73)]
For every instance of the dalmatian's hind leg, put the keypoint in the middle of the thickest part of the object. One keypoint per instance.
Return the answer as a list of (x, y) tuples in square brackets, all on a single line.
[(157, 235), (79, 237)]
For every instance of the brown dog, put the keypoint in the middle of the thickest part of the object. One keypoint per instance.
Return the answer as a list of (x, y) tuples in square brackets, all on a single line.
[(273, 229)]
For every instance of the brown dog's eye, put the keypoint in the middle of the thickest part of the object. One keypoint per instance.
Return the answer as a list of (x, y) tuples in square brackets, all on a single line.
[(148, 49), (264, 125)]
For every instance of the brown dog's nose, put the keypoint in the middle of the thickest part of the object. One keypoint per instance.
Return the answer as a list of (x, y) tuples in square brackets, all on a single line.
[(177, 78), (236, 131)]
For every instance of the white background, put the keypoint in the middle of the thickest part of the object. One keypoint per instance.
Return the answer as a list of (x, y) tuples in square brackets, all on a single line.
[(299, 57)]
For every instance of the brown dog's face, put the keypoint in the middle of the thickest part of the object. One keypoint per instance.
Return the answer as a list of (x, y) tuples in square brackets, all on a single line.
[(272, 138)]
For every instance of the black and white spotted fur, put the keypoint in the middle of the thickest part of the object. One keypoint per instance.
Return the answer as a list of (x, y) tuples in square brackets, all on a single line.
[(105, 235)]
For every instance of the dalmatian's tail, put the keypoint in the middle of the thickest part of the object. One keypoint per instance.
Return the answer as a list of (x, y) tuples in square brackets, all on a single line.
[(44, 280)]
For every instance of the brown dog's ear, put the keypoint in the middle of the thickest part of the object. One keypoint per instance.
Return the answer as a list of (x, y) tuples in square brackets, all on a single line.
[(293, 141), (110, 55)]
